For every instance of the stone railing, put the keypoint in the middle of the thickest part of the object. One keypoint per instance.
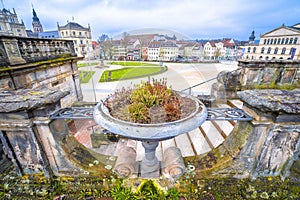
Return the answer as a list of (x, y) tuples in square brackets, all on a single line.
[(20, 50)]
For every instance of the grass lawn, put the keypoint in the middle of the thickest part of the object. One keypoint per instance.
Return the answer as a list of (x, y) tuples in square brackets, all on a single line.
[(85, 76), (129, 73), (87, 64), (132, 63)]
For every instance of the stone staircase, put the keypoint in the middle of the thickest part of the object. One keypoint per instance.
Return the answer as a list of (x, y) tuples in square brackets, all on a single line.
[(208, 136)]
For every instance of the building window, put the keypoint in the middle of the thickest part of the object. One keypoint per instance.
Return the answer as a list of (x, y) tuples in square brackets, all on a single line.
[(275, 41), (66, 33), (295, 40), (262, 50), (278, 41), (286, 40), (254, 49), (81, 42), (267, 58), (276, 50), (268, 42), (269, 50), (62, 33), (260, 57), (0, 28), (282, 41), (272, 41), (249, 49), (252, 57), (291, 41), (75, 41), (283, 50), (80, 33), (19, 30), (291, 51), (265, 41), (74, 33)]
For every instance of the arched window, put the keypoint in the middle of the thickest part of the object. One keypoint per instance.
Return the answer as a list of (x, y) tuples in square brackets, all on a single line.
[(269, 50), (265, 41), (278, 41), (268, 41), (267, 58), (249, 49), (295, 40), (254, 49), (262, 50), (260, 57), (282, 41), (291, 41), (275, 41), (276, 50), (286, 40), (283, 50), (291, 50), (272, 41), (252, 57)]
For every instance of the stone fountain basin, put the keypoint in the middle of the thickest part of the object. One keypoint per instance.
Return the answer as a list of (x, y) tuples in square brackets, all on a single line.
[(150, 132)]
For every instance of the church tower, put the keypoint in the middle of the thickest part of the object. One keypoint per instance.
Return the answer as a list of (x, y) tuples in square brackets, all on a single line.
[(251, 38), (36, 24)]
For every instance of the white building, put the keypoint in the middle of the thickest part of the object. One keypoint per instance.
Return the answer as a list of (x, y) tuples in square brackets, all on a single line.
[(80, 35), (280, 43)]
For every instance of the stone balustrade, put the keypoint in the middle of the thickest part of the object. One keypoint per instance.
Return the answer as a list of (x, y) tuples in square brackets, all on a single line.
[(20, 50)]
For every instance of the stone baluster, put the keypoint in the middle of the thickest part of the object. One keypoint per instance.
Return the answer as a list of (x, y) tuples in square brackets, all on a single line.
[(52, 48)]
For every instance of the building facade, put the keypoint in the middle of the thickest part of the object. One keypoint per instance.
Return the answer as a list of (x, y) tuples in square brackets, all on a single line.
[(80, 35), (10, 25), (281, 43)]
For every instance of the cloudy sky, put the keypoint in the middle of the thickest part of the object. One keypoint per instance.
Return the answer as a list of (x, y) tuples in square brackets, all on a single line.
[(196, 19)]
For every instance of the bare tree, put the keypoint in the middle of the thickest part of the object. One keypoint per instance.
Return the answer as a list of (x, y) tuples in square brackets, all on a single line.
[(106, 48)]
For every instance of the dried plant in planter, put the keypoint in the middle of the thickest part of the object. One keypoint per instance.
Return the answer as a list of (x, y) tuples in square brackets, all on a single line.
[(148, 103)]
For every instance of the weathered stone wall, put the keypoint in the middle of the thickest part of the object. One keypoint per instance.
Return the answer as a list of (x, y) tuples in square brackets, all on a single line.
[(256, 75), (34, 82), (271, 74)]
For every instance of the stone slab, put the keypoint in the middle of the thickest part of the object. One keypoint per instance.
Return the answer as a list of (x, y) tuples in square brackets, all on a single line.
[(272, 100)]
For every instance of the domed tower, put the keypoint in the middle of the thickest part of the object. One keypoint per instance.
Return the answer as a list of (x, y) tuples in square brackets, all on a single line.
[(251, 38), (36, 24)]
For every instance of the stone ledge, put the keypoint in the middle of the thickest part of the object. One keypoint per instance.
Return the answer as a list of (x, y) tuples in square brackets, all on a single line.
[(271, 100), (29, 99)]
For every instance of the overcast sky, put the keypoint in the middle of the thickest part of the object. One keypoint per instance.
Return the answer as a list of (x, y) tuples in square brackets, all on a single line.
[(196, 19)]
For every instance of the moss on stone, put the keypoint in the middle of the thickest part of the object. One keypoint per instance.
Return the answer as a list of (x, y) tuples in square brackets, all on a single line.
[(222, 156), (85, 158)]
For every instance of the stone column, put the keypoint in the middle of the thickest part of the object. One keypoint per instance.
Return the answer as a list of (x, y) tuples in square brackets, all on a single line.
[(18, 138), (50, 134), (12, 51), (150, 164), (76, 81)]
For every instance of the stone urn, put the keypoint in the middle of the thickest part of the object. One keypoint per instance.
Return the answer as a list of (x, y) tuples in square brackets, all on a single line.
[(150, 134)]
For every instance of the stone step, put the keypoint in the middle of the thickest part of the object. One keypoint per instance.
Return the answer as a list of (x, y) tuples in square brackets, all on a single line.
[(235, 103), (212, 133)]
